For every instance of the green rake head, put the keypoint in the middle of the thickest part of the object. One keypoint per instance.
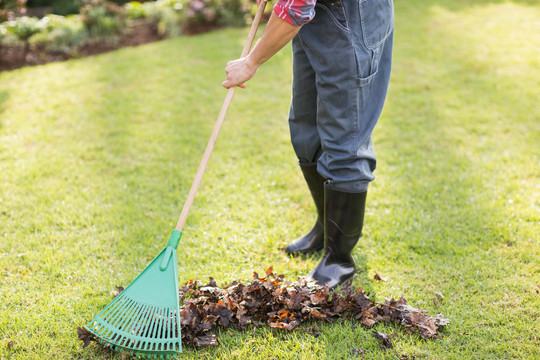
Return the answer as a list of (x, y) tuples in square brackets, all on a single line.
[(144, 319)]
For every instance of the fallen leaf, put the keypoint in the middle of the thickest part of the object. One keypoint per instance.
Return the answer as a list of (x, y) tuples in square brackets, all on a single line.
[(85, 336), (407, 357), (207, 340), (440, 320), (358, 351), (384, 340), (118, 290), (316, 314), (313, 331), (379, 277), (367, 319), (11, 344), (413, 318)]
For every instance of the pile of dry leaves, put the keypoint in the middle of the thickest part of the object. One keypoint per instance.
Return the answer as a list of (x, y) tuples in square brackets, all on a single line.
[(273, 301)]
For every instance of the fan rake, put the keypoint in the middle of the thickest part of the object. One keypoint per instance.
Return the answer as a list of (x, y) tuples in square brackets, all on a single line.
[(144, 319)]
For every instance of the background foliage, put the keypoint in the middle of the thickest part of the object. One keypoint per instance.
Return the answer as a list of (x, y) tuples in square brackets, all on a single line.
[(106, 21)]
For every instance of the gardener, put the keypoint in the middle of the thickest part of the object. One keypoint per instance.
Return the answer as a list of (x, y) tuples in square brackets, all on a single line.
[(342, 53)]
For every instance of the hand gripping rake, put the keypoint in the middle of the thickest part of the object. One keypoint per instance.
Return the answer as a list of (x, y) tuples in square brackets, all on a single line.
[(144, 319)]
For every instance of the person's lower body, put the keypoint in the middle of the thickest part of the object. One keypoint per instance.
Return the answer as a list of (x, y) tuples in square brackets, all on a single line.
[(341, 70)]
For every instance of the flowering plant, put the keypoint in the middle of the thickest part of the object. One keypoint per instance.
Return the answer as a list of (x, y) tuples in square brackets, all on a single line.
[(8, 9), (216, 12)]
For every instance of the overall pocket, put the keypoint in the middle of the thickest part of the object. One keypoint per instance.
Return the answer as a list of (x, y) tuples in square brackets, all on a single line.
[(377, 19), (335, 11), (377, 23)]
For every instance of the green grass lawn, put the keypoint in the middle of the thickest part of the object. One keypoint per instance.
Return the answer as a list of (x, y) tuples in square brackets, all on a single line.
[(97, 156)]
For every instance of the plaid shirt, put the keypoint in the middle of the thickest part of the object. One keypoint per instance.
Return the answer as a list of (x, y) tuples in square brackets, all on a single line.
[(295, 12)]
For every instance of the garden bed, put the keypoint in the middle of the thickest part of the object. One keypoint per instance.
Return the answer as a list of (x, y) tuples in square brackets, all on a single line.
[(102, 26), (138, 32)]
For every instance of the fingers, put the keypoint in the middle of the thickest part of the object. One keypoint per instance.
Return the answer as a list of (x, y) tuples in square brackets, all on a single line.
[(237, 73), (228, 84)]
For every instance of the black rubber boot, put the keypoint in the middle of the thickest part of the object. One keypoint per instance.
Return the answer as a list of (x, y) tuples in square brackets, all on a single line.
[(314, 240), (343, 219)]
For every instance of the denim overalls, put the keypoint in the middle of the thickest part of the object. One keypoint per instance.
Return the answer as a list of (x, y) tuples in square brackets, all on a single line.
[(341, 71)]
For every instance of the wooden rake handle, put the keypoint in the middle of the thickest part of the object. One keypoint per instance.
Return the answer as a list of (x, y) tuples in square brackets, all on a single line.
[(219, 123)]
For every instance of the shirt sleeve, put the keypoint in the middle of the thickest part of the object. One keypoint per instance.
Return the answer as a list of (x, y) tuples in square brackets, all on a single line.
[(295, 12)]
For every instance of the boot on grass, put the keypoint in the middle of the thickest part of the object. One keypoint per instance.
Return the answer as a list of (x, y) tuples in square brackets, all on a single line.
[(343, 219)]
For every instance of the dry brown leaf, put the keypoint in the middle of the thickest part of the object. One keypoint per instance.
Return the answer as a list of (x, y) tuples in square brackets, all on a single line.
[(85, 336), (384, 340), (367, 319), (379, 277), (358, 351), (207, 340), (117, 291), (440, 320)]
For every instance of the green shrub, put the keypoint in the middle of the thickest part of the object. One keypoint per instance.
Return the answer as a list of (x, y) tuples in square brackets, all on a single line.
[(173, 16), (6, 37), (102, 18), (166, 15), (61, 35), (134, 10), (234, 12), (23, 28)]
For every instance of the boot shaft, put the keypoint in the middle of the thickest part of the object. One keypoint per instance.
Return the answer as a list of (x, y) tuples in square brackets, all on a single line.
[(343, 220), (315, 183), (314, 240)]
